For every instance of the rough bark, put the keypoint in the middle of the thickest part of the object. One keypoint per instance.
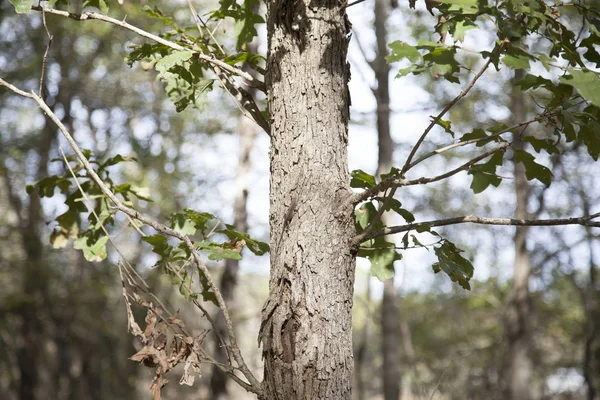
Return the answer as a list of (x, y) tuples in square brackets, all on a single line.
[(306, 331), (517, 324), (229, 279), (390, 323)]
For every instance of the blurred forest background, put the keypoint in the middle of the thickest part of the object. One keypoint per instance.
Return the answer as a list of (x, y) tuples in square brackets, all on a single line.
[(63, 328)]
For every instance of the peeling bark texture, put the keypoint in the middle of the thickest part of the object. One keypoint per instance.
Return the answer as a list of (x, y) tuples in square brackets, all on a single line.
[(519, 310), (306, 329), (390, 323)]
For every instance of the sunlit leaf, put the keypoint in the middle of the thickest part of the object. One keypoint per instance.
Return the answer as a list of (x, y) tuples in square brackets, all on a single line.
[(22, 6), (401, 50), (94, 252), (360, 179), (587, 83)]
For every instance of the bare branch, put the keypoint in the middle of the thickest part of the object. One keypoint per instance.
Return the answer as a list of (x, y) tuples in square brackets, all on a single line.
[(50, 37), (255, 385), (464, 167), (198, 20), (355, 2), (396, 183), (435, 120), (386, 184), (584, 221), (479, 140)]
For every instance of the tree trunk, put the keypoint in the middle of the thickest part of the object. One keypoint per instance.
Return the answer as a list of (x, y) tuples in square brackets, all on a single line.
[(591, 362), (306, 331), (591, 307), (519, 310), (390, 323), (360, 355), (229, 279), (35, 277)]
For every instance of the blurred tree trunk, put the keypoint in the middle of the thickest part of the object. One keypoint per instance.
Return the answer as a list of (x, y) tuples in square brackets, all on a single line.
[(591, 307), (518, 318), (390, 323), (35, 277), (306, 329), (360, 353), (229, 279)]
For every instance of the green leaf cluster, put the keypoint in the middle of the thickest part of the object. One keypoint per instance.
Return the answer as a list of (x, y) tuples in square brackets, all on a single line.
[(437, 58), (378, 251), (184, 77), (484, 174), (245, 16), (89, 236)]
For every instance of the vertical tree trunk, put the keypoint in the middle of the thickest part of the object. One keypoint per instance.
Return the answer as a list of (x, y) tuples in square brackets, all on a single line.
[(519, 310), (306, 332), (229, 279), (390, 324), (360, 354), (591, 307), (591, 362), (35, 277)]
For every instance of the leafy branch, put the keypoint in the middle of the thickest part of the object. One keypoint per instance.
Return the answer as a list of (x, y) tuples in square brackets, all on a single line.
[(396, 183), (435, 120), (253, 384), (244, 98)]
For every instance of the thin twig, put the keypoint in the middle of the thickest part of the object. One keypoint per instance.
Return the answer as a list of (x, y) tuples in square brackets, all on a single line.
[(472, 219), (354, 3), (479, 140), (198, 20), (385, 184), (439, 382), (435, 120), (421, 181), (50, 37), (463, 167)]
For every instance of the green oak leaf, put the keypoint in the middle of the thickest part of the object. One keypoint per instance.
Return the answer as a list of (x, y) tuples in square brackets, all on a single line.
[(533, 170), (516, 62), (587, 83), (458, 268), (461, 29), (401, 50), (22, 6), (95, 252), (360, 179), (382, 263)]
